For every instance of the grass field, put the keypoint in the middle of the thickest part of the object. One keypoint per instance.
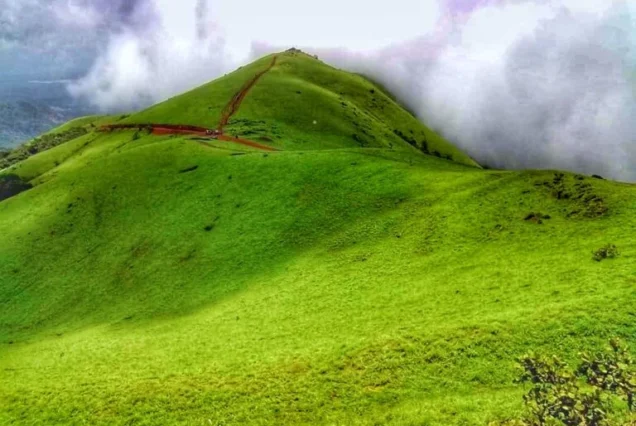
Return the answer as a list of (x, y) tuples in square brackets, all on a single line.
[(161, 280)]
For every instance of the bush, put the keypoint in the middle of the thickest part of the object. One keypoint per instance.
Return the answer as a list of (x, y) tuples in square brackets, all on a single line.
[(609, 251), (579, 192), (611, 372), (579, 397), (537, 218)]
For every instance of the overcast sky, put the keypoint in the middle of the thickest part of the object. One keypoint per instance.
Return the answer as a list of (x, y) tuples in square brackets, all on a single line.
[(515, 83)]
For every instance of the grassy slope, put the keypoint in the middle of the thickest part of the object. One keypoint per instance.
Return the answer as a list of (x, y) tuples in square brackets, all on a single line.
[(298, 92), (88, 121), (202, 106), (48, 159), (338, 286), (358, 288)]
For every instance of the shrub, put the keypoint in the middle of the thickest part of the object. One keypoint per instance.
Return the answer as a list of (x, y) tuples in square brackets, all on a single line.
[(609, 251), (579, 397), (555, 394), (537, 218), (579, 192), (611, 372)]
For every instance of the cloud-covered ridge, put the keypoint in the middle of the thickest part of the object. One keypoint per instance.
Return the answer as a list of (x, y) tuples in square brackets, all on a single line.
[(515, 83), (524, 85)]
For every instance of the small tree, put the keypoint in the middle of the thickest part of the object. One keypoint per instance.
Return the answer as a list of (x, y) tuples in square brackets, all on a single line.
[(580, 397), (555, 395), (612, 372)]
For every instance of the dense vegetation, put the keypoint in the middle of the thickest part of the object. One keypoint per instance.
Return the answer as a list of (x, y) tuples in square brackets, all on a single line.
[(40, 144), (167, 280), (70, 131), (583, 396)]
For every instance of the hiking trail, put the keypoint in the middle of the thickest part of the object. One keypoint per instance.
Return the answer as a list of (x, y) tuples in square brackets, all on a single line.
[(234, 105), (230, 110)]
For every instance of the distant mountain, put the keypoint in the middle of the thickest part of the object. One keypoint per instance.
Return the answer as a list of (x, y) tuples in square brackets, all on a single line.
[(29, 108), (22, 120)]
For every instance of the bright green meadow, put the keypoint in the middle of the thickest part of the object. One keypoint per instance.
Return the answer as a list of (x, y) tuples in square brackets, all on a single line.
[(348, 279)]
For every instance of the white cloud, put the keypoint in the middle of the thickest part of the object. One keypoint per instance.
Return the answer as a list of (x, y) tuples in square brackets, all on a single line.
[(179, 51), (72, 13), (523, 84)]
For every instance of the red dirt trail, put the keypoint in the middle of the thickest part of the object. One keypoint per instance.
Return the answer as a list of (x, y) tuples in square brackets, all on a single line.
[(160, 129), (234, 105), (247, 143), (231, 109)]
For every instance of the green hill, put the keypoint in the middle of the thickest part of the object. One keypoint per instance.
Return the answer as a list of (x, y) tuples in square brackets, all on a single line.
[(302, 103), (165, 279)]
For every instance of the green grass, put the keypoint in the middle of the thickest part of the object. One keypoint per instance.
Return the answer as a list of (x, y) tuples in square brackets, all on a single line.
[(202, 106), (89, 121), (72, 135), (320, 286), (305, 104)]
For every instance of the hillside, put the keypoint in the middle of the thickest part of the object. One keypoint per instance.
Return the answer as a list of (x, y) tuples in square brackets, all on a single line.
[(70, 131), (153, 278), (300, 102)]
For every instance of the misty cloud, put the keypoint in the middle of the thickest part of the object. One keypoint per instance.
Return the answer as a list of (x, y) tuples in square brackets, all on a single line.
[(192, 42), (144, 65), (63, 24), (523, 85)]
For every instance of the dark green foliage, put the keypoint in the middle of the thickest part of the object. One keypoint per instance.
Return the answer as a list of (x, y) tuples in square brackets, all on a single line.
[(609, 251), (537, 218), (586, 202), (559, 189), (11, 185), (611, 372), (358, 139), (422, 146), (43, 143), (555, 394), (580, 397)]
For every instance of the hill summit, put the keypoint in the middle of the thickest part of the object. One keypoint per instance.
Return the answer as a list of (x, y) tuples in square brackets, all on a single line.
[(294, 101)]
